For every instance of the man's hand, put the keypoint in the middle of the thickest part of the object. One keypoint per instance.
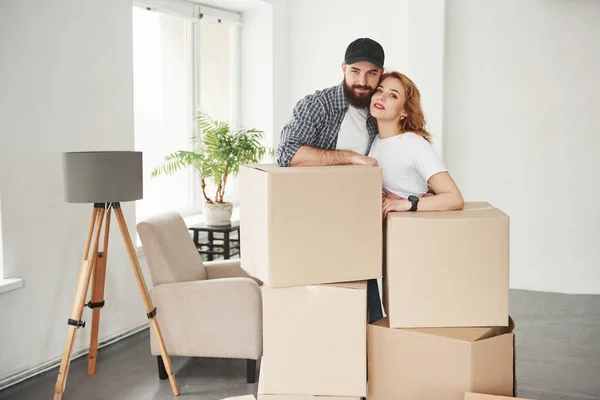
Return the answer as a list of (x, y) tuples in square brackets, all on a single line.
[(359, 159), (395, 205)]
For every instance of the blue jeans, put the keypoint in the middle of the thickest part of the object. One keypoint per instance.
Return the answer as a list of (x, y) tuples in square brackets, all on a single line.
[(374, 310)]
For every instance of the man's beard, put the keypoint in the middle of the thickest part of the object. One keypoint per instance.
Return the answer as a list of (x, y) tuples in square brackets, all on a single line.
[(358, 100)]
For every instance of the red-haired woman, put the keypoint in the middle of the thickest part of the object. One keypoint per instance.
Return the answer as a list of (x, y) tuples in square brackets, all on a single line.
[(403, 150)]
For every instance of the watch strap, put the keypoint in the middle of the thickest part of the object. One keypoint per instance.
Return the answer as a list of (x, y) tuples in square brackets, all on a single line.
[(415, 202)]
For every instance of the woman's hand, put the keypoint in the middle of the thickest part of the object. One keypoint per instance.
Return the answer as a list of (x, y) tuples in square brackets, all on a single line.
[(395, 205)]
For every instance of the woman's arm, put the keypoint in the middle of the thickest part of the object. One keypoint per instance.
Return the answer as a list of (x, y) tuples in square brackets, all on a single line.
[(426, 162), (447, 195)]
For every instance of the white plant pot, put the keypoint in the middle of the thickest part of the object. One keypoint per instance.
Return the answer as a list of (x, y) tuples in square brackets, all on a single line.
[(216, 214)]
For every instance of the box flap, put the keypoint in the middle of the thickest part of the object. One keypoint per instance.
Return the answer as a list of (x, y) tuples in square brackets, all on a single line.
[(463, 334), (492, 366), (361, 285)]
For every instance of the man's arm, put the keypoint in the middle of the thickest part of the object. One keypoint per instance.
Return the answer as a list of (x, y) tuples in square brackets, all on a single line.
[(297, 135), (309, 156), (306, 121)]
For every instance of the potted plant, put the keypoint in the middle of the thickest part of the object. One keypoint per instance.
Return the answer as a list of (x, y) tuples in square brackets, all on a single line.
[(216, 155)]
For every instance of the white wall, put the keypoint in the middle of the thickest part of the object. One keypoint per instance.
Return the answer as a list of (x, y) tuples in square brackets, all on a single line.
[(291, 48), (66, 79), (309, 38), (1, 242), (522, 130), (425, 67), (319, 32)]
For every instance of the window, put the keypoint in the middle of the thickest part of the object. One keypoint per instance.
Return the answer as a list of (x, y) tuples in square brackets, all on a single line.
[(181, 66), (218, 78), (162, 96)]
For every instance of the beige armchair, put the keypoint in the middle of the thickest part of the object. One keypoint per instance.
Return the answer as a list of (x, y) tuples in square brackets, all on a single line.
[(211, 309)]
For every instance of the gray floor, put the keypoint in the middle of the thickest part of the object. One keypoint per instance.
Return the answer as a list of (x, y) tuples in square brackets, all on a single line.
[(558, 358)]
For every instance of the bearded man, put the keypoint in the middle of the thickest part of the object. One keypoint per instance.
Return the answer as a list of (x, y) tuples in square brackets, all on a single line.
[(332, 126)]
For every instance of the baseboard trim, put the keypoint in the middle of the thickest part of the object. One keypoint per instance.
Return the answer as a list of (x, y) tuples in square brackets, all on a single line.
[(31, 372)]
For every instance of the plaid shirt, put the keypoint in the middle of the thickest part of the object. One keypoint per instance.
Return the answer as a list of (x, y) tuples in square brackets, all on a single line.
[(316, 122)]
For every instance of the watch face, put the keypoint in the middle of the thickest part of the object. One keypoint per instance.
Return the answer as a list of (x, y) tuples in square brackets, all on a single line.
[(413, 198)]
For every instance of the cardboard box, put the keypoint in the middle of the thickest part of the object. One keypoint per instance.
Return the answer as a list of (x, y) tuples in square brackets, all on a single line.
[(447, 269), (479, 396), (311, 225), (302, 397), (314, 340), (439, 363), (243, 397), (264, 396)]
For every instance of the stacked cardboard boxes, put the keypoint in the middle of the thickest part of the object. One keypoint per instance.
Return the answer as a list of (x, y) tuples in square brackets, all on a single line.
[(313, 236), (446, 295)]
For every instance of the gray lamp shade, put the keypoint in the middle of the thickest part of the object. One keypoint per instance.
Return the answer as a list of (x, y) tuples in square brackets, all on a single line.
[(102, 176)]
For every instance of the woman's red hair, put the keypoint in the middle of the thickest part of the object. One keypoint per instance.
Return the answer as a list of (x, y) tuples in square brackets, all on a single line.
[(415, 120)]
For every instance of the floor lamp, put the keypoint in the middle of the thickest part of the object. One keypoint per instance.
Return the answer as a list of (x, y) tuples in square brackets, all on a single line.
[(104, 179)]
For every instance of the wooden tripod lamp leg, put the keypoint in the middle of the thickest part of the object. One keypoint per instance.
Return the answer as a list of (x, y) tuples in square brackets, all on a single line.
[(83, 282), (97, 298), (150, 310)]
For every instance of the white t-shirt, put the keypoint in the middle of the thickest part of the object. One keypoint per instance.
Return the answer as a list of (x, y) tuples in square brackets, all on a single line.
[(353, 131), (407, 161)]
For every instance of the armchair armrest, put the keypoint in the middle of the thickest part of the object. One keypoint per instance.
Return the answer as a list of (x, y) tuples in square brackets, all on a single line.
[(218, 318), (227, 269)]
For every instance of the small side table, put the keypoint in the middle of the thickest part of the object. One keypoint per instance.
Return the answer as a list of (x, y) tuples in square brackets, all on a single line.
[(218, 246)]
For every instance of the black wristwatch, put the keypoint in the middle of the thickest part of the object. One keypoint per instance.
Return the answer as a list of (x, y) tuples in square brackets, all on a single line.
[(415, 202)]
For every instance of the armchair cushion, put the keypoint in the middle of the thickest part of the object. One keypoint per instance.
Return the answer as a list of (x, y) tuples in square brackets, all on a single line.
[(210, 318)]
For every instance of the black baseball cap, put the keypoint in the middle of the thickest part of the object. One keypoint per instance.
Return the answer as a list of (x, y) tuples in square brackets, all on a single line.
[(365, 49)]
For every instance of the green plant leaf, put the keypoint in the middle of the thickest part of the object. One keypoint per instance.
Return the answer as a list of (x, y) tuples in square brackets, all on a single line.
[(217, 150)]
